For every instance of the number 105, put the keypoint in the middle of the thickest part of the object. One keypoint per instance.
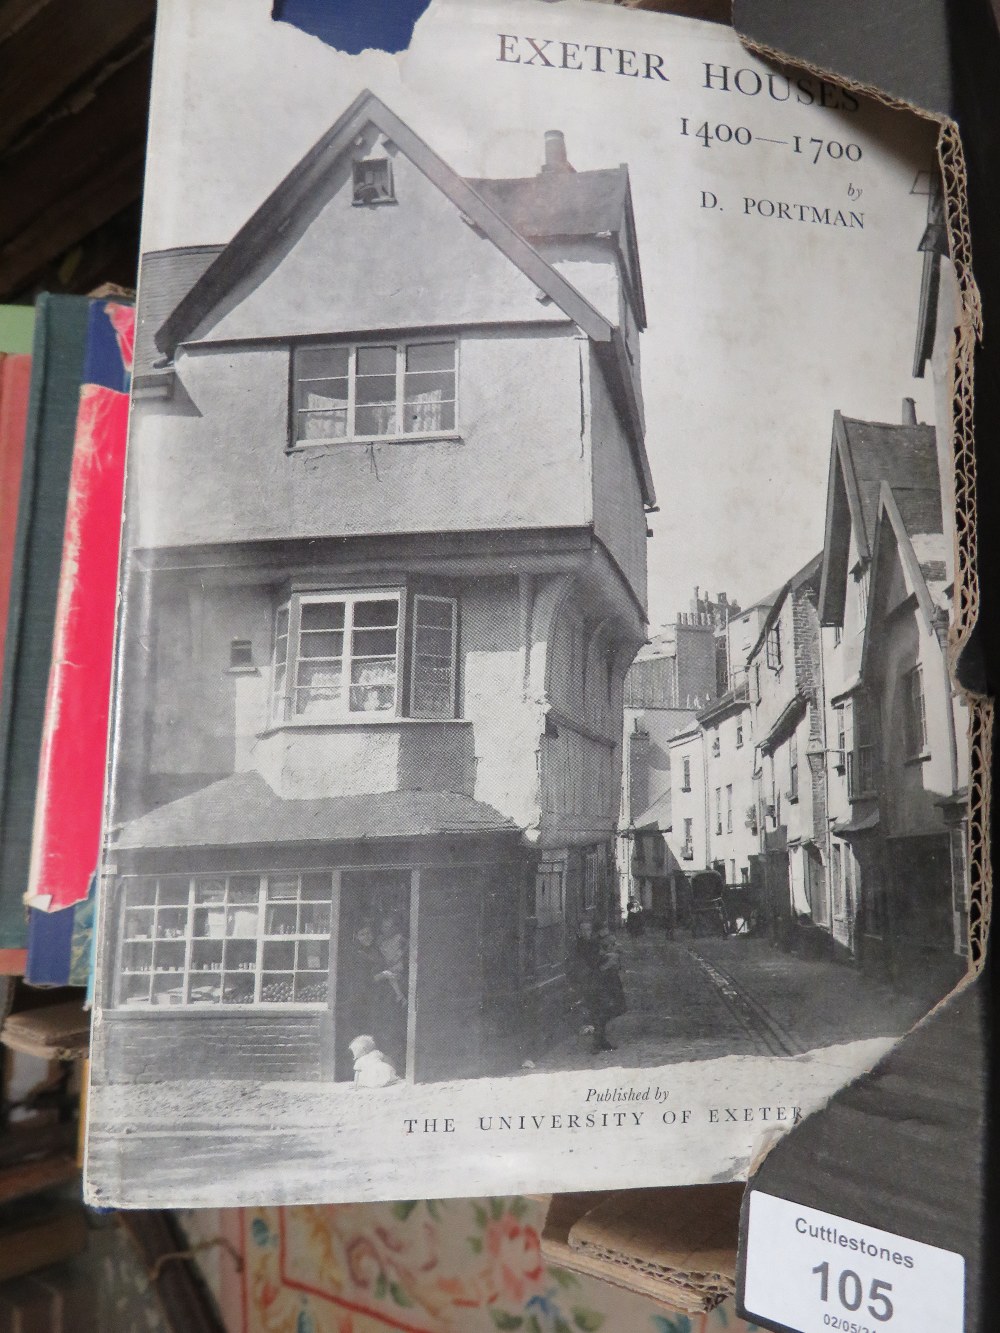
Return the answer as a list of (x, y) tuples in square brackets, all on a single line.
[(851, 1292)]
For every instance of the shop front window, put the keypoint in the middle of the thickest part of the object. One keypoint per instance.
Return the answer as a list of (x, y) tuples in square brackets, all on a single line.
[(225, 940)]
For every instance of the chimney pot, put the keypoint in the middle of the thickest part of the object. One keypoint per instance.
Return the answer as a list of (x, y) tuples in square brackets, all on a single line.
[(909, 412), (555, 152)]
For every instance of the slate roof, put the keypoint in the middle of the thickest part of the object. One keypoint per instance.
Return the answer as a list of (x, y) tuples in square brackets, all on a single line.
[(243, 810), (865, 454), (570, 204), (165, 276), (905, 456), (560, 203)]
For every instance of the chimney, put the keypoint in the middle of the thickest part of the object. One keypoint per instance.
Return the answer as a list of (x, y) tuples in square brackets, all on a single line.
[(555, 152), (909, 412)]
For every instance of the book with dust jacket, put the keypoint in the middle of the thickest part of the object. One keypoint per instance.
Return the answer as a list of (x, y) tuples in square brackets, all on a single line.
[(536, 764)]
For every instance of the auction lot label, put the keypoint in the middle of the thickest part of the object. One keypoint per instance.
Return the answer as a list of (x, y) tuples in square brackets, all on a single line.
[(814, 1272)]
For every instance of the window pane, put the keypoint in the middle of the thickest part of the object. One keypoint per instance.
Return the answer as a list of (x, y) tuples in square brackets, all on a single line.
[(238, 988), (376, 389), (282, 888), (173, 890), (373, 685), (430, 356), (385, 611), (240, 955), (277, 988), (312, 955), (319, 643), (279, 956), (429, 393), (374, 643), (377, 361), (244, 888), (322, 615), (433, 642), (209, 890), (206, 988), (310, 988), (434, 612), (171, 923), (241, 921), (322, 362), (377, 420), (327, 425), (317, 886), (281, 919), (318, 691), (314, 919)]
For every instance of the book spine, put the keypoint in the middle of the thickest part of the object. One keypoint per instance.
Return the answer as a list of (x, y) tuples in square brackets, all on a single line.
[(68, 809), (15, 385)]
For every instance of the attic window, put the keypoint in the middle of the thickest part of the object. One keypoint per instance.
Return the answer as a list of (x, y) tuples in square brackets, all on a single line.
[(373, 181)]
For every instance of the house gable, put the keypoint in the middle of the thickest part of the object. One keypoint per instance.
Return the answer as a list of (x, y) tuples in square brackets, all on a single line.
[(290, 212), (863, 455), (313, 261), (897, 573)]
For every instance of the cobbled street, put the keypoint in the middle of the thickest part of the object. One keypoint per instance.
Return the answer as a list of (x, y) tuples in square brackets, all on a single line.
[(700, 999)]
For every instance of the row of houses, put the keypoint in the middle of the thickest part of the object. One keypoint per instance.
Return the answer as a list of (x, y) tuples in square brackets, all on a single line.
[(828, 784)]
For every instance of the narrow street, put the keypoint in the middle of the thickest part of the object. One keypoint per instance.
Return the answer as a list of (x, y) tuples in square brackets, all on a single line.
[(703, 998)]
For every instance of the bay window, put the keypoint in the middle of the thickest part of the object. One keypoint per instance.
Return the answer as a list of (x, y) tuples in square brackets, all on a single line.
[(373, 391), (339, 655), (336, 656)]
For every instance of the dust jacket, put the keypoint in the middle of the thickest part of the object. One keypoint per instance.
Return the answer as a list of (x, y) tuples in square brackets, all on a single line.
[(453, 845)]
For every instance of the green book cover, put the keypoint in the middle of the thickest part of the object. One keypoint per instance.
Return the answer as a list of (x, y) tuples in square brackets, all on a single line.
[(17, 326)]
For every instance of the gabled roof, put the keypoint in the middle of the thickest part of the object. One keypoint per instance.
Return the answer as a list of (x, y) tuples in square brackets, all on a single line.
[(808, 574), (863, 455), (572, 204), (266, 225), (913, 519), (276, 212), (657, 815), (244, 811)]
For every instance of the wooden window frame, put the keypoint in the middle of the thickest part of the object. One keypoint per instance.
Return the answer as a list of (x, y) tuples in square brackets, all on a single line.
[(399, 435), (416, 601), (915, 713), (282, 712), (185, 944), (551, 870)]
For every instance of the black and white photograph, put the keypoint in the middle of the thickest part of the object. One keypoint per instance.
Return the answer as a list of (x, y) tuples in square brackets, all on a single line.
[(536, 760)]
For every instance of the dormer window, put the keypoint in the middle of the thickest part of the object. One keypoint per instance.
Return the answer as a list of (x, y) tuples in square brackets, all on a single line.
[(373, 391), (373, 181)]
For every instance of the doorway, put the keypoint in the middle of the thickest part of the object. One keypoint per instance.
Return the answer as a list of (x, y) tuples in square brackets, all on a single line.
[(372, 988)]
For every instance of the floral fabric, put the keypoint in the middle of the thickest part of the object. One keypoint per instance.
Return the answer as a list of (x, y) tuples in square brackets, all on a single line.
[(421, 1266)]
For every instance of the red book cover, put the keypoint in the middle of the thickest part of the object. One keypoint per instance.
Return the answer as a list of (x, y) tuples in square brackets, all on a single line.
[(15, 383), (67, 828)]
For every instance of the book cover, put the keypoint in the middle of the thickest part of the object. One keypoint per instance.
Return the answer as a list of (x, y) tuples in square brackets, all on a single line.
[(15, 380), (56, 369), (67, 823), (453, 845)]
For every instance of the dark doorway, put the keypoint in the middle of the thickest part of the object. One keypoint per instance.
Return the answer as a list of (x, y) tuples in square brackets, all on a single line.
[(373, 963)]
